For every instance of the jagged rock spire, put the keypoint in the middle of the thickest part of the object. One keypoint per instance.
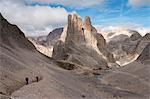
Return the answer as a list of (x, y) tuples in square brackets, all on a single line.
[(79, 41), (87, 23), (75, 29), (80, 32)]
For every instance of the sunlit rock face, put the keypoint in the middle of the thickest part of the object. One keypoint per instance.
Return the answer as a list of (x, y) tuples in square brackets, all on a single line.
[(42, 46), (79, 32), (125, 45), (45, 43), (80, 43)]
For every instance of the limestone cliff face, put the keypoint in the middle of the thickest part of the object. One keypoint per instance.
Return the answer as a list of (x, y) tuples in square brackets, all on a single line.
[(45, 43), (146, 37), (74, 30), (79, 32), (135, 36), (101, 44), (53, 36), (125, 45), (81, 43), (42, 47), (145, 55)]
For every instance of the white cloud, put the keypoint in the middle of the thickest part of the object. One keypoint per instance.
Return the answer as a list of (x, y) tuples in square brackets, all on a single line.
[(110, 28), (87, 3), (33, 20), (136, 3), (39, 20), (71, 3)]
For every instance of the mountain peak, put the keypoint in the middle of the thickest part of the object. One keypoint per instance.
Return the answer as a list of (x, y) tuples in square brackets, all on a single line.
[(78, 31), (87, 23), (80, 41)]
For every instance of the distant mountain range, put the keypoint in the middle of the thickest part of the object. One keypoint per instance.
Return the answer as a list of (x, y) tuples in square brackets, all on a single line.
[(125, 45)]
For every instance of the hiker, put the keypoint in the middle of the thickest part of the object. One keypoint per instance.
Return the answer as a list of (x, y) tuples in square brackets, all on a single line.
[(83, 96), (37, 78), (27, 80), (83, 30)]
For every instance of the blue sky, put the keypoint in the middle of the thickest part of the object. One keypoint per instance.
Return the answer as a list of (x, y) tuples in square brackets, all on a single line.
[(41, 16), (116, 12), (111, 12)]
